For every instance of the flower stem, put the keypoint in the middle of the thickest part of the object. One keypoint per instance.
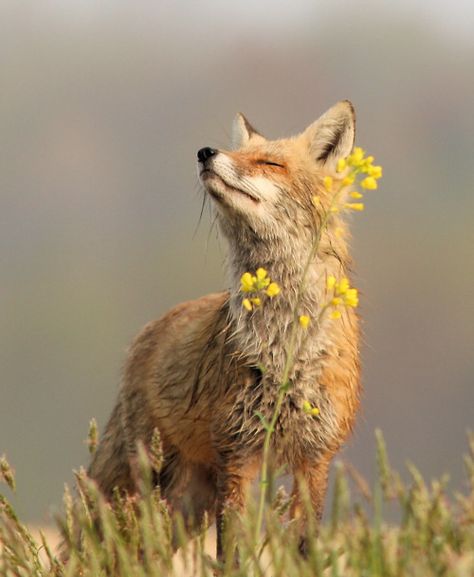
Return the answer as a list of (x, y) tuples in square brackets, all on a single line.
[(290, 351)]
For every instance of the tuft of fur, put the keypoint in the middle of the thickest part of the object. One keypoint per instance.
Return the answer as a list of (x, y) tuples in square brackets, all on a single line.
[(203, 372)]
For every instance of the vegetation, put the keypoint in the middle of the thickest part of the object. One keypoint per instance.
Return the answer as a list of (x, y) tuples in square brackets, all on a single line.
[(136, 537)]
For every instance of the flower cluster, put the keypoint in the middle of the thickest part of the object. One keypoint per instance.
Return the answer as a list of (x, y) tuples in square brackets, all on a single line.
[(343, 295), (356, 165), (310, 410), (257, 285), (304, 321)]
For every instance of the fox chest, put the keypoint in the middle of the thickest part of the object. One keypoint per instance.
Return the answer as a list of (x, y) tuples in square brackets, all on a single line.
[(306, 424)]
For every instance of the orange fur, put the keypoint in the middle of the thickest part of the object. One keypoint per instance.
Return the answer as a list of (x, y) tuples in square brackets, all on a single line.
[(202, 372)]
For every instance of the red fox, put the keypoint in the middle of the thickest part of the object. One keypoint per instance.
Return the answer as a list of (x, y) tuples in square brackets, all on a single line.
[(206, 372)]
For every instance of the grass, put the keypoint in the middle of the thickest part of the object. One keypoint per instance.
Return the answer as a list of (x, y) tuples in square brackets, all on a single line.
[(136, 537)]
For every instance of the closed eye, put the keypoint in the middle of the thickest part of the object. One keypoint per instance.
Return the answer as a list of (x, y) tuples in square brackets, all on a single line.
[(269, 163)]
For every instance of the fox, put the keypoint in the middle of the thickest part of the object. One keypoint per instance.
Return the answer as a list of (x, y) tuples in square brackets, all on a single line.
[(207, 374)]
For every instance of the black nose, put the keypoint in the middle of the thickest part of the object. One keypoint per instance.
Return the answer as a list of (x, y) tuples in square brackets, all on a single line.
[(206, 153)]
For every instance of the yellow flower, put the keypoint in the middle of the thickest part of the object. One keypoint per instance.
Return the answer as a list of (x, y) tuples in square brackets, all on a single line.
[(261, 273), (357, 157), (343, 285), (331, 282), (273, 289), (334, 209), (256, 301), (375, 171), (327, 181), (351, 298), (341, 164), (369, 183), (336, 314), (356, 194), (348, 180), (262, 280), (304, 321), (247, 282), (336, 301), (307, 407), (247, 304), (316, 200), (355, 205)]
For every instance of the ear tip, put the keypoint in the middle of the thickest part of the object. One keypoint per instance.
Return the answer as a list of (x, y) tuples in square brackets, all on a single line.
[(349, 108)]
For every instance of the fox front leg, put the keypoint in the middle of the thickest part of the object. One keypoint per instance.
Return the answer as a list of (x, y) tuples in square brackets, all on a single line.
[(233, 483), (309, 492), (231, 492)]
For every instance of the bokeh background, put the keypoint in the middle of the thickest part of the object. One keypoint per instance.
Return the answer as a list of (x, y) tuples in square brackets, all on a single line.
[(103, 106)]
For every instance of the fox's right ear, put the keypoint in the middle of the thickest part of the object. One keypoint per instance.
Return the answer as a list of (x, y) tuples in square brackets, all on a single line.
[(243, 132), (332, 136)]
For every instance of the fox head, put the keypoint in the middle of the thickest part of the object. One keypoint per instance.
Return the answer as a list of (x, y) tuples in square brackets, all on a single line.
[(263, 190)]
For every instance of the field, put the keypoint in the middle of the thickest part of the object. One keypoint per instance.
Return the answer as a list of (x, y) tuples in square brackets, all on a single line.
[(434, 534)]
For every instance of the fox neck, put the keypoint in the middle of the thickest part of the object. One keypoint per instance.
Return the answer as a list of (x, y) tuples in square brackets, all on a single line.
[(262, 335)]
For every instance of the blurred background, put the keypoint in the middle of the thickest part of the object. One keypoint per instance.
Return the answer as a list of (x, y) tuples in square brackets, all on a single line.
[(103, 106)]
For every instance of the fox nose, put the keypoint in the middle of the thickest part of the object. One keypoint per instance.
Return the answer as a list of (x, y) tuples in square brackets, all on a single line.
[(206, 153)]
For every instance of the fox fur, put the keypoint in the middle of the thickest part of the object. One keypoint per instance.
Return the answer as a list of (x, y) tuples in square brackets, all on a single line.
[(204, 371)]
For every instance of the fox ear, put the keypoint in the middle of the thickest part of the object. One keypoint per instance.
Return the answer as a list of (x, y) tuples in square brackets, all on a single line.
[(332, 136), (243, 132)]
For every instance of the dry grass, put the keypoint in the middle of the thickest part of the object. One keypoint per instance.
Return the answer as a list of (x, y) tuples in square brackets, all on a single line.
[(435, 536)]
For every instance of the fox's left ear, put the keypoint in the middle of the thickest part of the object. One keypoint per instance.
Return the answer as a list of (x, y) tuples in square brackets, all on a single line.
[(332, 136), (243, 132)]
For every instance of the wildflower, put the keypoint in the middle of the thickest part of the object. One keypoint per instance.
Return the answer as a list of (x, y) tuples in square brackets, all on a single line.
[(356, 158), (341, 164), (272, 290), (343, 296), (366, 164), (369, 183), (375, 171), (255, 285), (343, 285), (331, 282), (359, 206), (351, 298), (261, 273), (327, 181), (309, 409), (348, 180), (247, 282), (304, 321), (261, 279), (356, 194)]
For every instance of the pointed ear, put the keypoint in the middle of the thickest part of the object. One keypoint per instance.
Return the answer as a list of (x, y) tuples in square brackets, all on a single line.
[(332, 136), (243, 132)]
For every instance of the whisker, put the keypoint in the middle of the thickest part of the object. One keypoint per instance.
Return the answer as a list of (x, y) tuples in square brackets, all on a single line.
[(203, 204)]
